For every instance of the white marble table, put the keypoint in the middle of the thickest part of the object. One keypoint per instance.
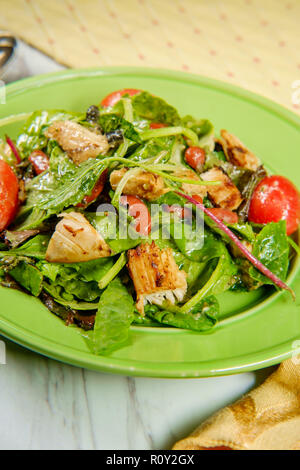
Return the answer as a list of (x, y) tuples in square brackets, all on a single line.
[(48, 405)]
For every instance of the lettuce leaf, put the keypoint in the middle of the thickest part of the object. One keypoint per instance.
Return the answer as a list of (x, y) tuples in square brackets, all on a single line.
[(29, 277), (113, 319)]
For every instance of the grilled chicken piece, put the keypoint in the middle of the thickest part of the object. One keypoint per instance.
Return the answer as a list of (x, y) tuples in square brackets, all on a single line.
[(156, 276), (79, 142), (75, 241), (144, 184), (236, 152), (191, 189), (225, 195)]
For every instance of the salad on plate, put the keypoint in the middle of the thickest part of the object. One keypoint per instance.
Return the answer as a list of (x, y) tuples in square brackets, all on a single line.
[(129, 213)]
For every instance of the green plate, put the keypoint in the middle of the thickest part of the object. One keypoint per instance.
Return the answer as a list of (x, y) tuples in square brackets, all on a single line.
[(256, 329)]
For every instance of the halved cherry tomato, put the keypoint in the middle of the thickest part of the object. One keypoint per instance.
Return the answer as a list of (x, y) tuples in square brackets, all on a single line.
[(138, 209), (157, 125), (198, 198), (113, 98), (225, 215), (275, 198), (39, 160), (9, 189), (98, 188), (195, 157)]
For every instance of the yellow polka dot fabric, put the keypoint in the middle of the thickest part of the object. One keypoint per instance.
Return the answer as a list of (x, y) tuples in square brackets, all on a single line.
[(252, 43)]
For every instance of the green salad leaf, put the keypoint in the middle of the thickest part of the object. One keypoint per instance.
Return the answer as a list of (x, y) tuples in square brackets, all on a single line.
[(28, 276), (112, 122), (271, 247), (34, 248), (202, 317), (113, 319), (155, 109)]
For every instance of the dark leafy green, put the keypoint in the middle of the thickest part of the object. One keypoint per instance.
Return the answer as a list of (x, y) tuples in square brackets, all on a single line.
[(202, 317), (112, 122), (271, 247), (34, 248), (113, 319), (28, 276), (155, 109)]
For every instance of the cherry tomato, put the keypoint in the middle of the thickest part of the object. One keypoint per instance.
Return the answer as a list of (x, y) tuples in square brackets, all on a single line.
[(9, 189), (138, 209), (195, 157), (275, 198), (39, 160), (225, 215), (113, 98), (98, 188), (198, 198), (157, 125)]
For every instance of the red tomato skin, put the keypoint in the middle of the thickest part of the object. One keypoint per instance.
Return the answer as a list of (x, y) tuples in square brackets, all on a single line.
[(195, 157), (9, 190), (198, 198), (40, 161), (275, 198), (98, 188), (115, 96), (138, 209), (225, 215), (157, 125)]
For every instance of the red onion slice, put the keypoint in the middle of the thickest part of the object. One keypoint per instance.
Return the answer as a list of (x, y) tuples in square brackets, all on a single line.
[(13, 149), (256, 263)]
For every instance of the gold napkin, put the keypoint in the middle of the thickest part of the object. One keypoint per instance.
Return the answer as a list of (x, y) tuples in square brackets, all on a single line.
[(268, 418)]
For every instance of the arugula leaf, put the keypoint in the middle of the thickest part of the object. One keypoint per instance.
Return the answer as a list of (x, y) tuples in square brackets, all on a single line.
[(271, 247), (202, 317), (32, 136), (204, 130), (75, 185), (29, 277), (155, 109), (60, 191), (154, 147), (113, 319), (34, 248)]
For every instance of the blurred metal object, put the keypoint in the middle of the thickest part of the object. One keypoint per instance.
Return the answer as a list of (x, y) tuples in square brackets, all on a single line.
[(8, 45)]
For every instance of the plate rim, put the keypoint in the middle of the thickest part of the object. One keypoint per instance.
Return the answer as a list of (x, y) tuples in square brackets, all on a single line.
[(118, 366)]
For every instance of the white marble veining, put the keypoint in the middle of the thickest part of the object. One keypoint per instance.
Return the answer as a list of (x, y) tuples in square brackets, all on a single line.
[(48, 405)]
